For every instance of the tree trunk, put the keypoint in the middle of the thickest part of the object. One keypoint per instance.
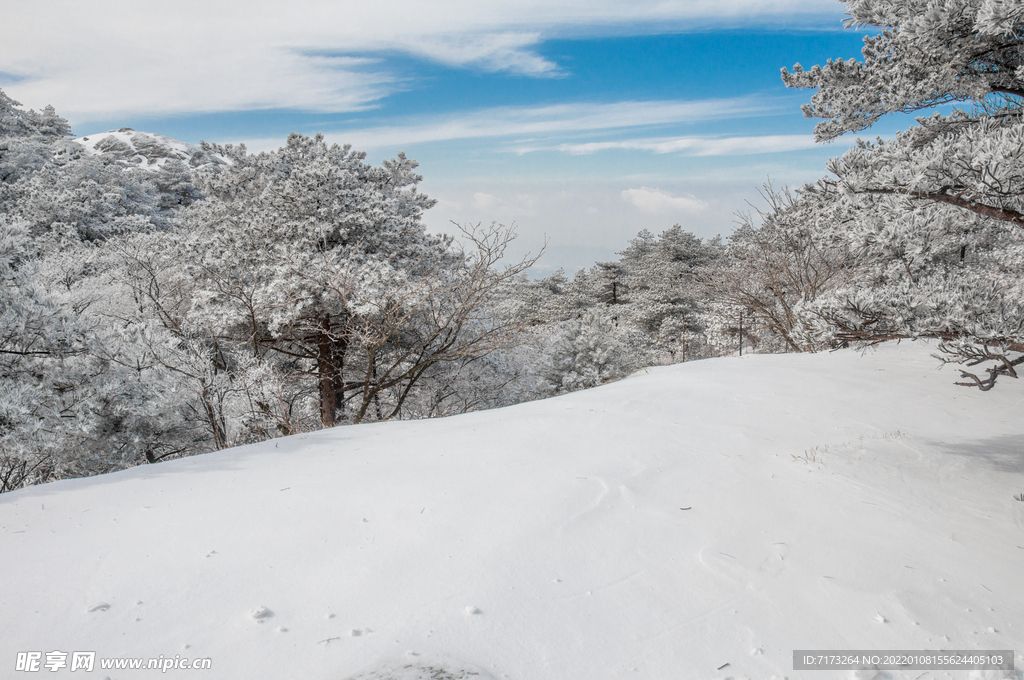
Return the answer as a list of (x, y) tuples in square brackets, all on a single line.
[(216, 424), (369, 385), (328, 372), (338, 358)]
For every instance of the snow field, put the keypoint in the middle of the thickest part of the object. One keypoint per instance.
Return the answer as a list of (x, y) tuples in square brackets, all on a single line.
[(692, 522)]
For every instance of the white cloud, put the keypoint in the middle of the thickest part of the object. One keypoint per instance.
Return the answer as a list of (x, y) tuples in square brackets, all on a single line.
[(583, 221), (484, 201), (655, 201), (541, 121), (107, 58), (492, 52), (698, 146)]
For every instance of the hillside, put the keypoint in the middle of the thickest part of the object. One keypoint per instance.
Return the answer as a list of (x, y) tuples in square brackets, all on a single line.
[(690, 522), (145, 149)]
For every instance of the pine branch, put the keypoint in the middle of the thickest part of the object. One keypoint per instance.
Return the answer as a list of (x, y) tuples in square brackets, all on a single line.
[(1005, 214)]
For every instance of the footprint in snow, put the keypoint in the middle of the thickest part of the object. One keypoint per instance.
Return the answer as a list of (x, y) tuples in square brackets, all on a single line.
[(260, 614), (407, 669), (992, 675), (101, 607), (472, 611), (869, 674)]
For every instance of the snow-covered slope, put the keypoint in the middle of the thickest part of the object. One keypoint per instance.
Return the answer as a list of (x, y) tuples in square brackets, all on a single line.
[(691, 522), (145, 149)]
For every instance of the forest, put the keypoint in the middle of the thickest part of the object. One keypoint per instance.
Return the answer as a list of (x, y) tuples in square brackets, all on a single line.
[(157, 304)]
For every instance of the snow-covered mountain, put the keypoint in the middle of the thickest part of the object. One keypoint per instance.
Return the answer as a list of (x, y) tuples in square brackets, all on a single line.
[(145, 149), (694, 522)]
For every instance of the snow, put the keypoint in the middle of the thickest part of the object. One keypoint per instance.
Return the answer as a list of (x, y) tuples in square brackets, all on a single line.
[(146, 150), (694, 522)]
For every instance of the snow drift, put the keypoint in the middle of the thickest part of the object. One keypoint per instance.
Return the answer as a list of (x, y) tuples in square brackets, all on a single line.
[(690, 522)]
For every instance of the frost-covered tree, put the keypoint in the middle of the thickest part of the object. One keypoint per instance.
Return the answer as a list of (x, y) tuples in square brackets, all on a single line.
[(927, 53), (74, 397), (776, 265), (938, 210), (648, 304), (78, 199), (312, 275), (35, 336), (665, 300), (930, 53), (18, 123), (28, 140), (279, 227), (454, 316), (77, 396), (650, 294), (157, 309), (585, 352)]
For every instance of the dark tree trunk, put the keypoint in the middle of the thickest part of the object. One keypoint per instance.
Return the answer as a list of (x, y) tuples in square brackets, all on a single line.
[(216, 423), (338, 356), (330, 358)]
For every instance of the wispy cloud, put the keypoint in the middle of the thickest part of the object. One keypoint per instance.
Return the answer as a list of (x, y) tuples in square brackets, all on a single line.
[(108, 58), (544, 122), (508, 51), (655, 201), (691, 146)]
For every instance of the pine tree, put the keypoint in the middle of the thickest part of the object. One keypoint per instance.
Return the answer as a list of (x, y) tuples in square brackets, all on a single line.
[(934, 215)]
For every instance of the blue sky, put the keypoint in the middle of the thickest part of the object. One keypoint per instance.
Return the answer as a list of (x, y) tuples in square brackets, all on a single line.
[(582, 123)]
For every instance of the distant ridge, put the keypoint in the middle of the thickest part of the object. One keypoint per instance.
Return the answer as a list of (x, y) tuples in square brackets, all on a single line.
[(147, 150)]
